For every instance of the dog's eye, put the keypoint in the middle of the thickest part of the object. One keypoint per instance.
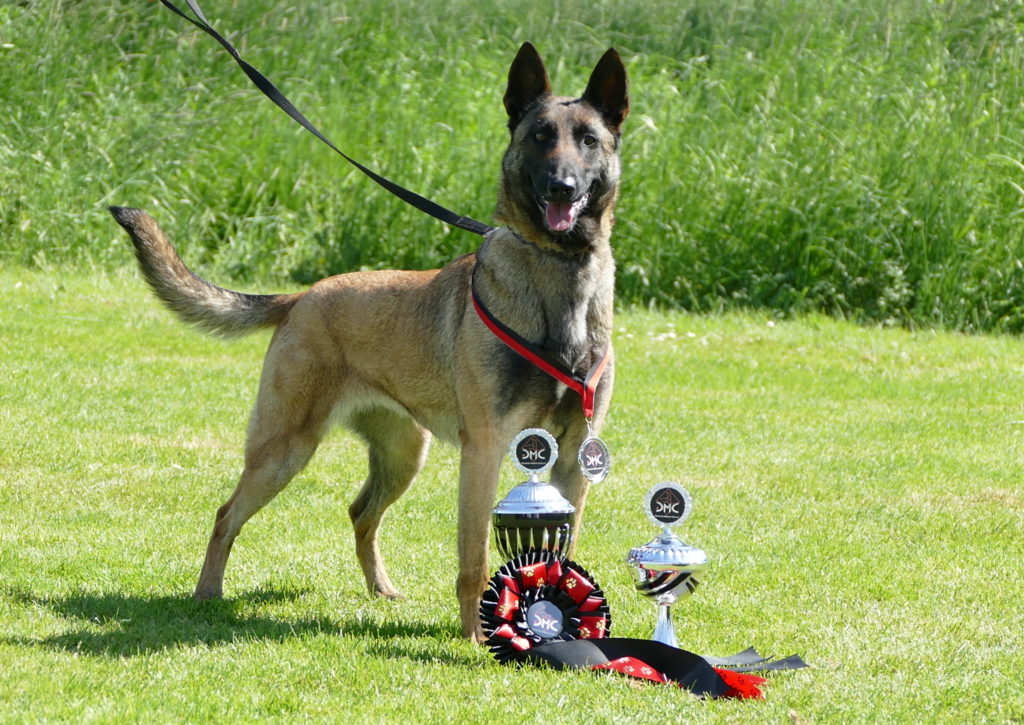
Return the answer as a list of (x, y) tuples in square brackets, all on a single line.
[(540, 136), (589, 139)]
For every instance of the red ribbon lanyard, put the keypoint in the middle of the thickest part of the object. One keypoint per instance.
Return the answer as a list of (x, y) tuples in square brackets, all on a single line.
[(586, 387)]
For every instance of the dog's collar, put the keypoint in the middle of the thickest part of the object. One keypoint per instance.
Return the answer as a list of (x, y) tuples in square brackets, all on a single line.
[(516, 234), (549, 248)]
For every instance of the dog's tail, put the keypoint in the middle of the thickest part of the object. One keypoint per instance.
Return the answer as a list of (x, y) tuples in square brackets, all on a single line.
[(192, 298)]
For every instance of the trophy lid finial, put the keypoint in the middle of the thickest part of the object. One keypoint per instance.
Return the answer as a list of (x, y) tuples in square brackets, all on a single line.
[(667, 505), (534, 451)]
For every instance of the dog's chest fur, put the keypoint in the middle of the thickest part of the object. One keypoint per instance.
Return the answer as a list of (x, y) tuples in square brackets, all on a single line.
[(560, 303)]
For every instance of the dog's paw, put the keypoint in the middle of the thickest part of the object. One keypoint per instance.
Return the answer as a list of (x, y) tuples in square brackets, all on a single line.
[(475, 634), (388, 593), (204, 593)]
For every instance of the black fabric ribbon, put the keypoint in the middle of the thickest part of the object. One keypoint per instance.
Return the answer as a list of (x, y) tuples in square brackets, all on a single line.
[(749, 660), (686, 669), (703, 676)]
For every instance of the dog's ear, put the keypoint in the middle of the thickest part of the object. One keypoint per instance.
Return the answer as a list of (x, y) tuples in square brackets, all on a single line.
[(527, 82), (608, 90)]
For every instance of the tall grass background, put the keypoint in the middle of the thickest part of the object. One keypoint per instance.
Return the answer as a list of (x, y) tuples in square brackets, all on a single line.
[(862, 158)]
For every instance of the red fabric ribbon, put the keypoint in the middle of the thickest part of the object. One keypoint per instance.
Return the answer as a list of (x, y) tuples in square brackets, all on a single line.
[(586, 386), (741, 685)]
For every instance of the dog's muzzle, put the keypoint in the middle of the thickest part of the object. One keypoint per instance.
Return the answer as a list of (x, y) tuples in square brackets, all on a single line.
[(560, 216)]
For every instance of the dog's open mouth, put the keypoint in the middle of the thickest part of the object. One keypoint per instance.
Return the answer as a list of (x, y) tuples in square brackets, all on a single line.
[(561, 216)]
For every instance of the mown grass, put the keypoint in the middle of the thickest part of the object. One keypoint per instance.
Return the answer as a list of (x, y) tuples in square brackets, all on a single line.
[(857, 490), (859, 158)]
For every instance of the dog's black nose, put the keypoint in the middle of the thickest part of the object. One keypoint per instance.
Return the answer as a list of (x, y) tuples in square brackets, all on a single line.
[(561, 189)]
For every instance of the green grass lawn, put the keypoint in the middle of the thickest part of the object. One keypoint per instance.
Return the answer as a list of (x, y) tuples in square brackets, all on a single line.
[(857, 490)]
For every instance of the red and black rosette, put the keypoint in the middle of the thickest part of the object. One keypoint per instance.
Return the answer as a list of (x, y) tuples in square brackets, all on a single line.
[(538, 598)]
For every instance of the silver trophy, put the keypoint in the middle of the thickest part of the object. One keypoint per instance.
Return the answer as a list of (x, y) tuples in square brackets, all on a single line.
[(534, 515), (666, 567)]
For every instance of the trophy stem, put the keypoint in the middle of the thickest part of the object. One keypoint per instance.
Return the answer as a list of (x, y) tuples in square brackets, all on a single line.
[(664, 631)]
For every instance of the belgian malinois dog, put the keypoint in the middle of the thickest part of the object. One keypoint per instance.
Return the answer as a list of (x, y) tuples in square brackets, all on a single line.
[(397, 356)]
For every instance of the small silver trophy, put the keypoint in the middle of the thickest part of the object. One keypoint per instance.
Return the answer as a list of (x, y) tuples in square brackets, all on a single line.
[(534, 515), (666, 567)]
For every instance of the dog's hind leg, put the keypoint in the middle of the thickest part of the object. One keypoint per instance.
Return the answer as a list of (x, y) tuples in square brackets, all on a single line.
[(265, 475), (288, 422), (397, 448)]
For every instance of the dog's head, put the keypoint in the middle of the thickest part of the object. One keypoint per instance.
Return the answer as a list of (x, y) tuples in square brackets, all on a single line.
[(560, 175)]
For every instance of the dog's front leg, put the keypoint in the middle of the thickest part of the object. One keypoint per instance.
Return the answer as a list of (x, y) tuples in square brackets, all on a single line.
[(478, 482)]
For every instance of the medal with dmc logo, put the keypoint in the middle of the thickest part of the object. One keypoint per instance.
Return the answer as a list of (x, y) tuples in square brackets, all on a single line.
[(595, 460)]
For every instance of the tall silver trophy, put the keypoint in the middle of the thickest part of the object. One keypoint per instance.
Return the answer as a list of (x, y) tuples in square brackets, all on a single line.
[(534, 515), (666, 567)]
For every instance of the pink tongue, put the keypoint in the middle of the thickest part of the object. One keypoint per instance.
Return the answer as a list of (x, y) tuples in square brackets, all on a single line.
[(558, 216)]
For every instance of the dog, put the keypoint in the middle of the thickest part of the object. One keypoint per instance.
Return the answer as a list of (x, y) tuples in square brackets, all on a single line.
[(401, 356)]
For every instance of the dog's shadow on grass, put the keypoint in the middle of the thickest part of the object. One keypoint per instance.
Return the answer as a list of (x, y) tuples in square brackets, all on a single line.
[(123, 625)]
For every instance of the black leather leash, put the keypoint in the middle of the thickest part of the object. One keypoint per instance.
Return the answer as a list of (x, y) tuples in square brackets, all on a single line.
[(271, 91)]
